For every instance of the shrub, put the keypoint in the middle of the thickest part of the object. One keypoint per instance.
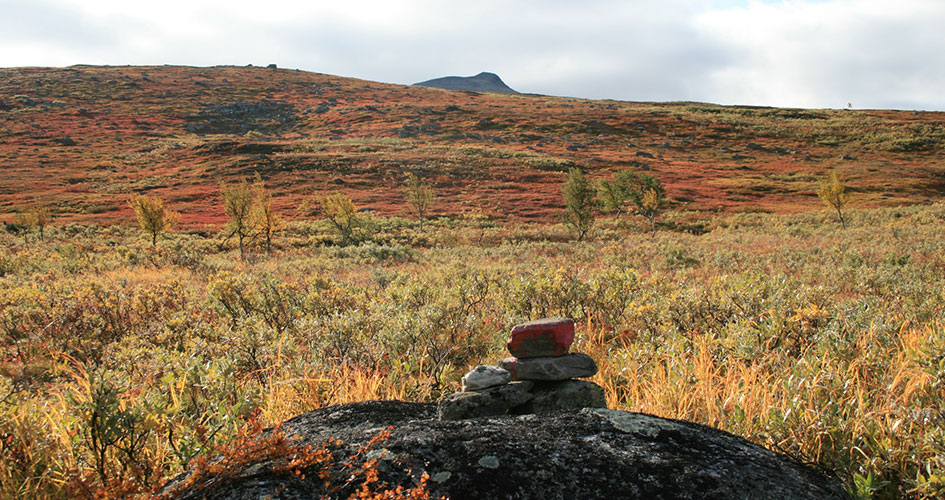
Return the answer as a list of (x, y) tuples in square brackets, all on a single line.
[(644, 190), (36, 216), (264, 218)]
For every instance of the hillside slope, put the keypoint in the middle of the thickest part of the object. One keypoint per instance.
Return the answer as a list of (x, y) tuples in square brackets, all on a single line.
[(84, 138)]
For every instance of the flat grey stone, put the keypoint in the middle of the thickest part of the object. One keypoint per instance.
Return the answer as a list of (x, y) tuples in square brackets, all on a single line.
[(484, 377), (574, 365), (488, 402), (550, 397)]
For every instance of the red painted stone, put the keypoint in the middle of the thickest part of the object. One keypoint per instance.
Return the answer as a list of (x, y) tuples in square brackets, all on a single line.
[(551, 337)]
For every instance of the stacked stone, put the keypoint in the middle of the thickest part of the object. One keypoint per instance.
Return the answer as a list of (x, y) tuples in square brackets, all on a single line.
[(538, 378)]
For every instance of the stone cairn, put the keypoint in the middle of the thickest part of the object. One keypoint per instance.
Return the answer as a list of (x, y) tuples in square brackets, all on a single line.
[(538, 378)]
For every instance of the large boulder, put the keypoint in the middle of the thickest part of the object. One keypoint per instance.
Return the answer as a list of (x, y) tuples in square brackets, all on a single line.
[(588, 454)]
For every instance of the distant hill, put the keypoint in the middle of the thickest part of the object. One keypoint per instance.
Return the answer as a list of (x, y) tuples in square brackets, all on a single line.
[(483, 82), (84, 139)]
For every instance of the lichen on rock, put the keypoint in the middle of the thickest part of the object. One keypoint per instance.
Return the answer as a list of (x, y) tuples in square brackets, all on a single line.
[(588, 454)]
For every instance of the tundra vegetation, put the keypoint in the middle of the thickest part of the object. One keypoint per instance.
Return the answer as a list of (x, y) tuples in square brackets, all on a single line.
[(123, 362), (238, 205), (345, 218), (643, 190), (264, 217), (37, 216)]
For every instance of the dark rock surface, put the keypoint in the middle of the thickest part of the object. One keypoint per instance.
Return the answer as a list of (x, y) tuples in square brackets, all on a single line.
[(483, 82), (589, 454), (487, 402), (549, 397), (241, 117)]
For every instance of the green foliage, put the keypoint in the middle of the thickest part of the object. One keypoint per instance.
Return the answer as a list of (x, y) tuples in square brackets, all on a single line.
[(372, 253), (579, 202), (643, 190), (612, 196)]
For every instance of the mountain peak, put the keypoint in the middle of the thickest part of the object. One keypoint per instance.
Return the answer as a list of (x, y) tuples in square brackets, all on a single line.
[(483, 82)]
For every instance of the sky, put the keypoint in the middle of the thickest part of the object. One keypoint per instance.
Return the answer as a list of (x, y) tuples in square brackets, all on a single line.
[(791, 53)]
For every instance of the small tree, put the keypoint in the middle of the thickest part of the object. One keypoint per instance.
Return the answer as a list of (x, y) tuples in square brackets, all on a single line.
[(265, 219), (579, 202), (833, 192), (648, 196), (419, 195), (238, 204), (152, 217), (650, 204), (643, 190), (38, 216), (343, 215), (612, 196)]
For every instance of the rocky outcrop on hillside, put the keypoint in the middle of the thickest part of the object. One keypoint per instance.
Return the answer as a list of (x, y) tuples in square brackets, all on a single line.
[(483, 82), (241, 117), (594, 453)]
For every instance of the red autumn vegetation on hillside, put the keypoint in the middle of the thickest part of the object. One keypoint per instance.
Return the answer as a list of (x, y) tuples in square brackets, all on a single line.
[(84, 139)]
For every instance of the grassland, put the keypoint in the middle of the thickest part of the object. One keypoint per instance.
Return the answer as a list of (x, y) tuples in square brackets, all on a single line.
[(820, 343)]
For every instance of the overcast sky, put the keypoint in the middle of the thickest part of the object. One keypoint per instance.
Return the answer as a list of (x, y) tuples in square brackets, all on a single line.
[(797, 53)]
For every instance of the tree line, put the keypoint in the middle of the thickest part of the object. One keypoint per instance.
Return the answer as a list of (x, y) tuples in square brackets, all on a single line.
[(251, 215), (643, 194)]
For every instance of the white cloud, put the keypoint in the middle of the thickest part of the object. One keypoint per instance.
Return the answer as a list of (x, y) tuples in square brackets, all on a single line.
[(790, 53), (870, 53)]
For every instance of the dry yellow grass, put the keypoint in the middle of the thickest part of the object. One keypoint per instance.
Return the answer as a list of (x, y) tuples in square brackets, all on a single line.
[(778, 329)]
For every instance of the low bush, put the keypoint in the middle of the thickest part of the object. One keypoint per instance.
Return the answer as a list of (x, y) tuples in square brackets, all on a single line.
[(119, 365)]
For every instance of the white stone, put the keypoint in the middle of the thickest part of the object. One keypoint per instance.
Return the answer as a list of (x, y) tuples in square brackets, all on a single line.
[(484, 377)]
